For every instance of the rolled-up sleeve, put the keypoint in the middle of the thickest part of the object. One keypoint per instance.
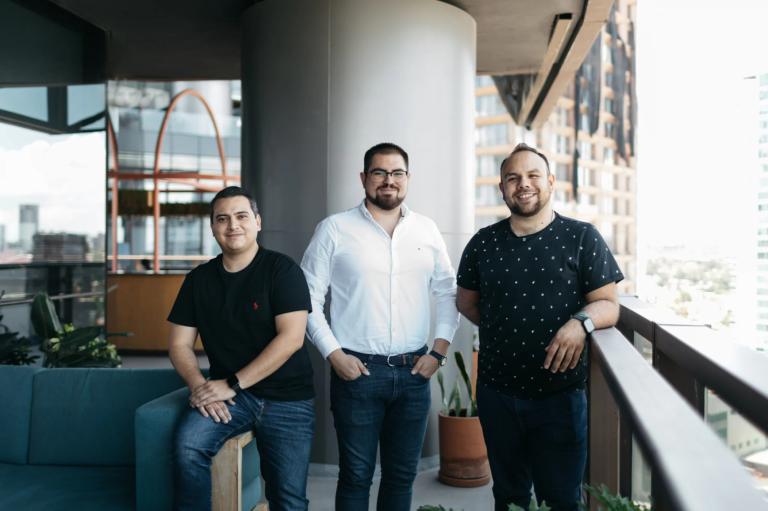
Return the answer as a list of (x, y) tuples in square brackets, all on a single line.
[(316, 264), (443, 287)]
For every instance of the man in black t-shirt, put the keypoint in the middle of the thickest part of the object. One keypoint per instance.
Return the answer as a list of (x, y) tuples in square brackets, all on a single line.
[(537, 284), (250, 307)]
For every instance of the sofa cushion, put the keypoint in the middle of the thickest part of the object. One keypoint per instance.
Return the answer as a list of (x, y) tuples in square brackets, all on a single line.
[(16, 397), (85, 416), (63, 488)]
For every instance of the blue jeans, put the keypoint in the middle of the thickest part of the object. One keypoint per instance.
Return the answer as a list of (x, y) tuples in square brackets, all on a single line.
[(539, 442), (387, 408), (283, 433)]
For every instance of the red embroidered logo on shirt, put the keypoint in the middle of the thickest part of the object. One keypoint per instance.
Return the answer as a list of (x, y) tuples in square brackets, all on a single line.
[(255, 306)]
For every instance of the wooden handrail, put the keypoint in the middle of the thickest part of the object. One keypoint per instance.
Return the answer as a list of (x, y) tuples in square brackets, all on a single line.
[(695, 468)]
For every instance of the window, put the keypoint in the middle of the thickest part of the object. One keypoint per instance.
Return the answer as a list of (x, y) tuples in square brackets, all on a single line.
[(492, 135), (487, 195), (489, 165), (489, 105), (483, 81), (189, 145), (563, 172), (609, 158), (52, 202), (585, 150)]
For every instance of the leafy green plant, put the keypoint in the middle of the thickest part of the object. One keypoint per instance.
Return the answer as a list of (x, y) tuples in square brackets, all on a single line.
[(444, 398), (467, 383), (452, 402), (611, 501), (67, 346), (533, 506), (14, 350)]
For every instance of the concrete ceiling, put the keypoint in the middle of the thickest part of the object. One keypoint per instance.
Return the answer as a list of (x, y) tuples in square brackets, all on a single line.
[(200, 39), (168, 39), (512, 35)]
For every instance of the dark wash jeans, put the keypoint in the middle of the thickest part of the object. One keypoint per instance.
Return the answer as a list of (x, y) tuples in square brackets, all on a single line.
[(539, 442), (283, 433), (388, 408)]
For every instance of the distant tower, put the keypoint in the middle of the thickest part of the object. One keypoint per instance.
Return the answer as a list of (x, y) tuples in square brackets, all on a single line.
[(28, 225)]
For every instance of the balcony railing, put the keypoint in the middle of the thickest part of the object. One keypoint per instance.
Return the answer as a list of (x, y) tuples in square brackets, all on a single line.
[(662, 407)]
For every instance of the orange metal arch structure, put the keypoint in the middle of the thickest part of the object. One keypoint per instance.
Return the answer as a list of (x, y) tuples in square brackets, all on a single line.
[(190, 178)]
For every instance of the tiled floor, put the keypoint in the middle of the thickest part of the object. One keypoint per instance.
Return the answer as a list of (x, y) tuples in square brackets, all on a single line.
[(426, 490), (321, 488)]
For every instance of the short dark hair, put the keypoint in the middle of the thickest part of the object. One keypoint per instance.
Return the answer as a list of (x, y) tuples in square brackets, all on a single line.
[(522, 146), (383, 148), (234, 191)]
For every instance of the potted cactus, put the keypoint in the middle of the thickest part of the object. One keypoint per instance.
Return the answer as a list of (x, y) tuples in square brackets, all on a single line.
[(463, 456)]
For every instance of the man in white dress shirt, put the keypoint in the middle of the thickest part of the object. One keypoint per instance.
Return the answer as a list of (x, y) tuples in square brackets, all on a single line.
[(381, 262)]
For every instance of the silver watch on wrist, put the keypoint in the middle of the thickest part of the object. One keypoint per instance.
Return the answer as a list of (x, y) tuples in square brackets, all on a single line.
[(585, 320)]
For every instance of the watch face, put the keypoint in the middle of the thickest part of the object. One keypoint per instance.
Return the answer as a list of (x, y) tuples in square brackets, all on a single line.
[(588, 325)]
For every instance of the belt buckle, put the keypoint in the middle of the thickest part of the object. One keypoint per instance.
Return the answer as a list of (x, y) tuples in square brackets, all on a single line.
[(390, 364)]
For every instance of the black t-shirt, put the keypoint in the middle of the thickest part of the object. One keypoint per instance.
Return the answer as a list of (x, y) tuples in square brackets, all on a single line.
[(529, 287), (235, 316)]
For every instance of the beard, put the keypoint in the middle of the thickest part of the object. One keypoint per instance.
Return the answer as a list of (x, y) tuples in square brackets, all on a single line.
[(387, 203), (516, 210)]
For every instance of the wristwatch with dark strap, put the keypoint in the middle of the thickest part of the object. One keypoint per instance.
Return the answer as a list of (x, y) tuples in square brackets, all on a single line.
[(233, 382), (585, 321), (441, 359)]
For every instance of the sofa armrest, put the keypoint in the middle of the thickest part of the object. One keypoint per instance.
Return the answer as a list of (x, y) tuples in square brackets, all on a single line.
[(155, 425)]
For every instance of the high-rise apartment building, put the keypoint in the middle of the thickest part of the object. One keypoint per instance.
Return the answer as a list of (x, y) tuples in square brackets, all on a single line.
[(60, 247), (589, 139), (28, 225)]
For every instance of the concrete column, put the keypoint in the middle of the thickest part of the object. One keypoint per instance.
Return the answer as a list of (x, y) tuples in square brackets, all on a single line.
[(324, 80)]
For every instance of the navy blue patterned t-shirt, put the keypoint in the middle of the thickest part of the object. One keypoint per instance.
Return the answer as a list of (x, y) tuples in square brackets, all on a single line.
[(529, 287)]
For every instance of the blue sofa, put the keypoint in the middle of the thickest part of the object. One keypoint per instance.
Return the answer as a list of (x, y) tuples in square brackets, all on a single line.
[(93, 439)]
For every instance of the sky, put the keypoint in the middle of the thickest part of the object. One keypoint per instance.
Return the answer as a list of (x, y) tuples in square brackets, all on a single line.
[(697, 118), (64, 174)]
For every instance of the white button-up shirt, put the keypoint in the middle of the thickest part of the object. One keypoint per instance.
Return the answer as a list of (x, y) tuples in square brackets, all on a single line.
[(380, 286)]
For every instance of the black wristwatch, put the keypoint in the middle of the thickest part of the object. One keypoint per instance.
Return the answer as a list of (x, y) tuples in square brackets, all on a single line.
[(441, 359), (234, 383), (585, 320)]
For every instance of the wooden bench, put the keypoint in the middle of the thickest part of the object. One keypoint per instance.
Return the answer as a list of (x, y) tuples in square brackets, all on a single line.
[(227, 475)]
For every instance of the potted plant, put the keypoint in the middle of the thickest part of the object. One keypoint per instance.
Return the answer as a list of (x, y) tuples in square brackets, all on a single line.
[(67, 346), (14, 350), (463, 456)]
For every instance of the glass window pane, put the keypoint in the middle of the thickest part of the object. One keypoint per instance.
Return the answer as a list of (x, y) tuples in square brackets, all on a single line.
[(26, 101), (84, 101)]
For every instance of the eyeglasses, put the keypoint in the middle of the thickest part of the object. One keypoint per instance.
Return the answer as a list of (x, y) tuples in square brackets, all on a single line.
[(380, 174)]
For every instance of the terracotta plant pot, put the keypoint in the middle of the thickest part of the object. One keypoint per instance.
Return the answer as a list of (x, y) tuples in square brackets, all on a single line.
[(463, 457)]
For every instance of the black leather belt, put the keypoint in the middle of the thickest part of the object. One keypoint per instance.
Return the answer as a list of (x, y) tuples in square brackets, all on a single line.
[(403, 359)]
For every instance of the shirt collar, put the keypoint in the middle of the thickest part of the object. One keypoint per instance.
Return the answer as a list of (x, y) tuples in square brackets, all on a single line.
[(404, 210)]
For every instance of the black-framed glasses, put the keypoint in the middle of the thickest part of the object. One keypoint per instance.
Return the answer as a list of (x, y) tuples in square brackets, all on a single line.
[(381, 174)]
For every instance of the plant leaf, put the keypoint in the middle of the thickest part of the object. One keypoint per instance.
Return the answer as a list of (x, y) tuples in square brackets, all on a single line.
[(472, 408), (45, 321)]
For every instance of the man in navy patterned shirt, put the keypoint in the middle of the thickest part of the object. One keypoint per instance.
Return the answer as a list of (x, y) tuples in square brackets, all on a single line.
[(536, 284)]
